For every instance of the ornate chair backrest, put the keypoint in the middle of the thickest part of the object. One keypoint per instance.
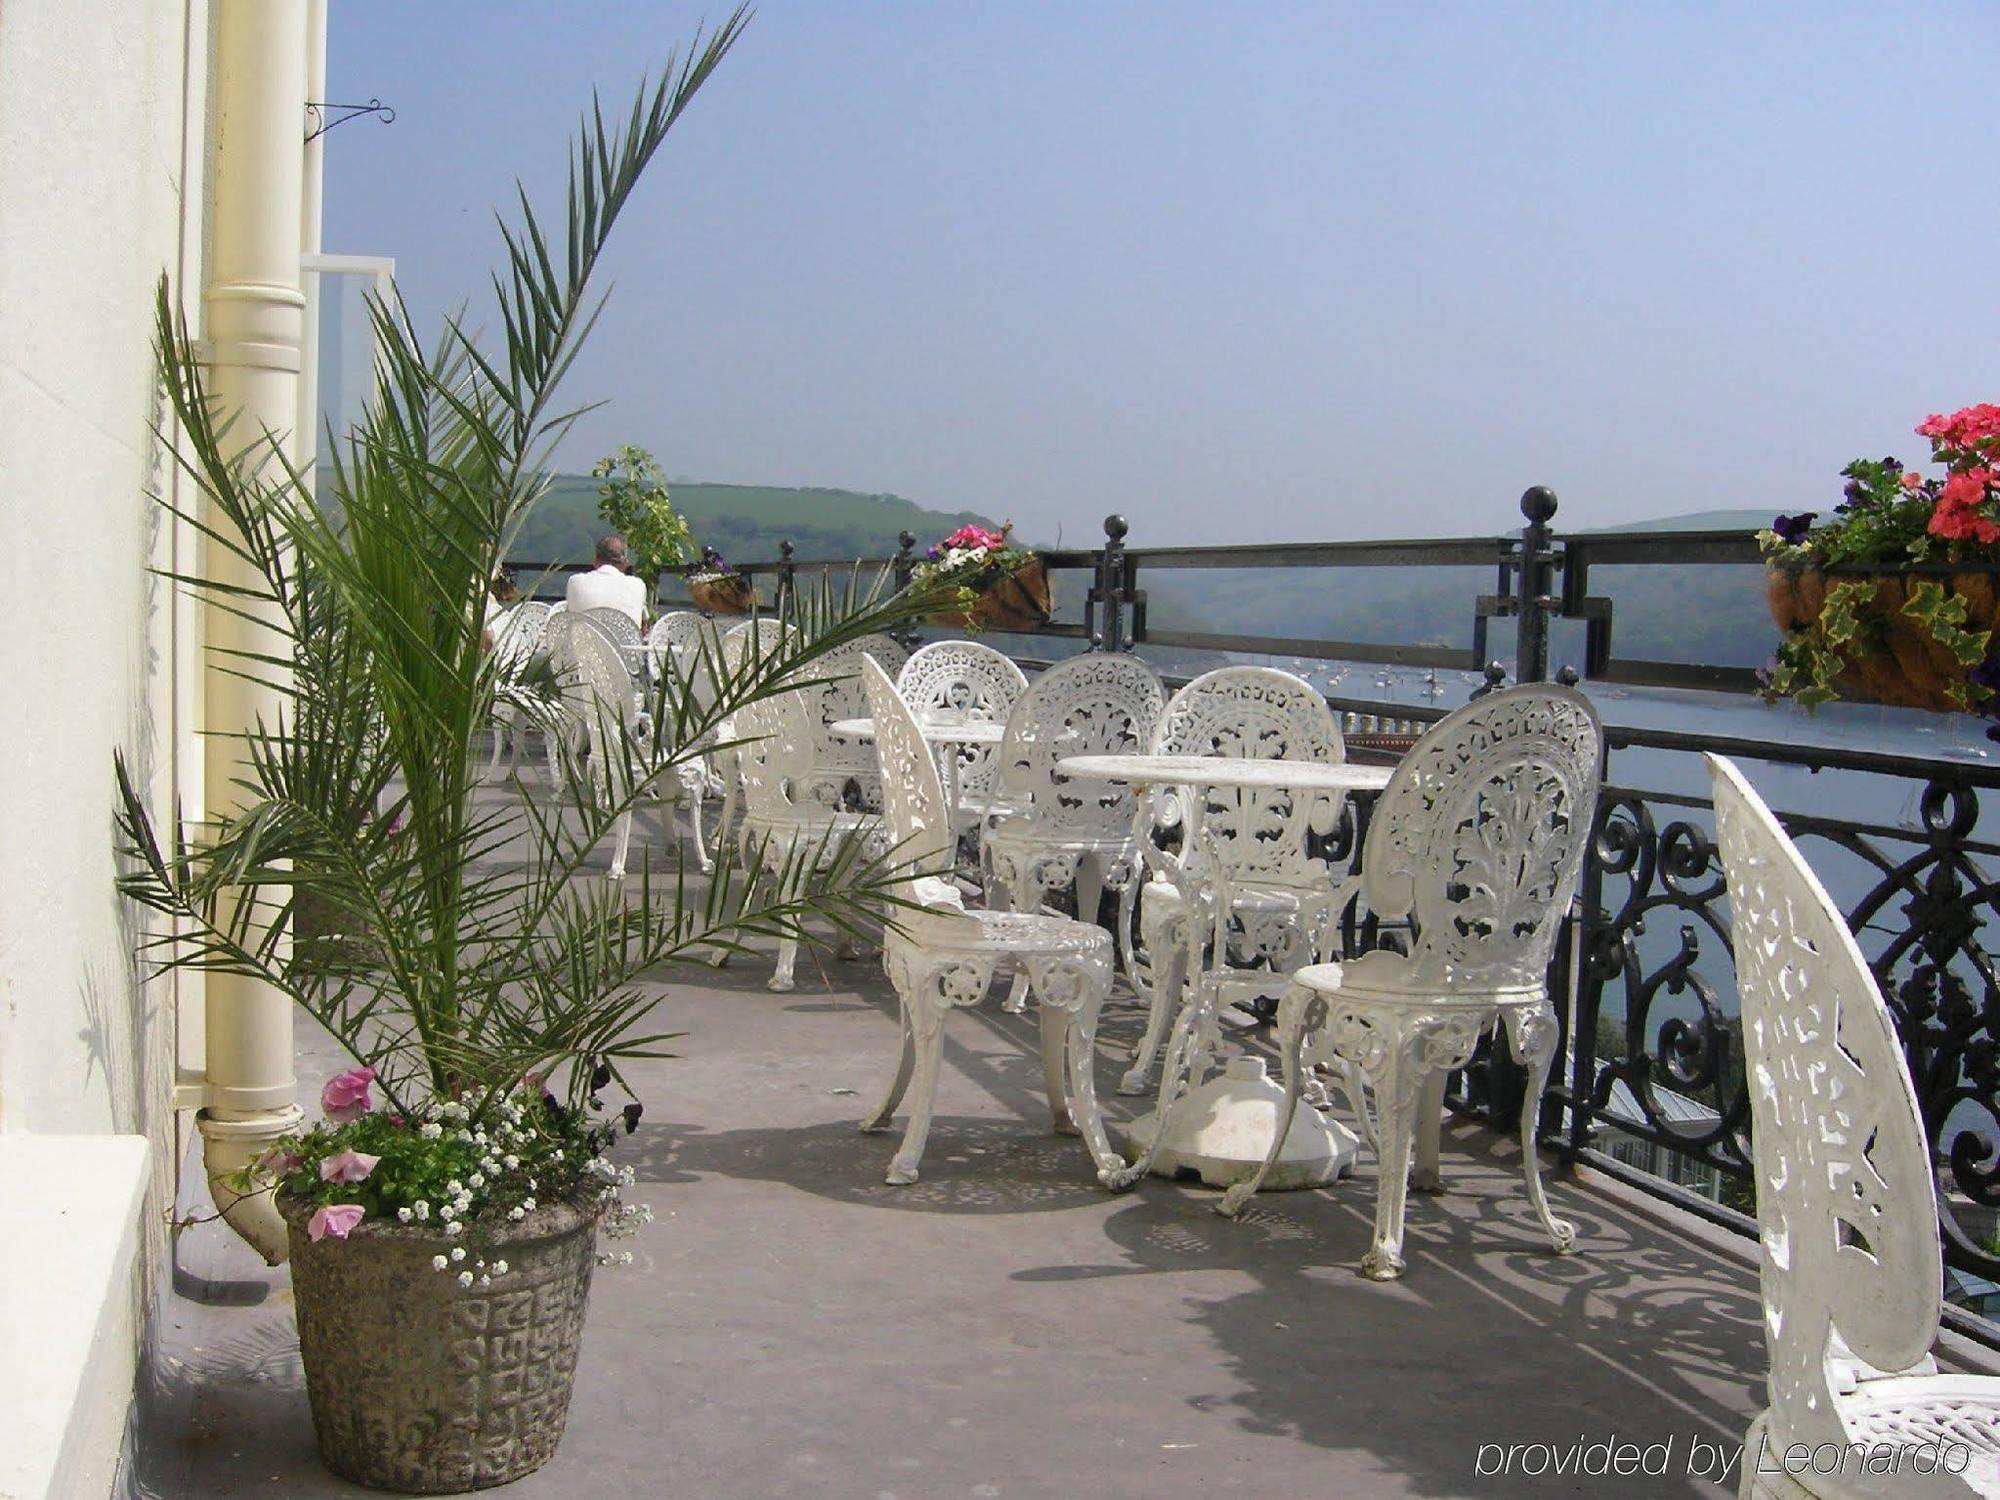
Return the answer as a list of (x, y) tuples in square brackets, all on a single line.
[(1481, 835), (618, 628), (838, 760), (763, 634), (966, 680), (1846, 1205), (519, 635), (1099, 703), (673, 635), (1255, 713), (775, 758), (912, 793)]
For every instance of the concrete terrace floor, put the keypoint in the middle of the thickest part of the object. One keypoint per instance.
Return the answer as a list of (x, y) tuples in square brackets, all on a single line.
[(1006, 1328)]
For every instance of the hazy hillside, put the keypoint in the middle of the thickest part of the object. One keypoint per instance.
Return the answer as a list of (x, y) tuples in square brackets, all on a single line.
[(745, 522)]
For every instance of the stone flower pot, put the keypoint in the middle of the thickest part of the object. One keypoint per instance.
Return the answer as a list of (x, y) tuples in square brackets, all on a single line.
[(723, 596), (1910, 670), (1019, 600), (421, 1385)]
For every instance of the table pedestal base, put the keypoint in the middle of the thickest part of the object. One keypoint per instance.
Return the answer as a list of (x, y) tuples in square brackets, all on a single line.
[(1222, 1131)]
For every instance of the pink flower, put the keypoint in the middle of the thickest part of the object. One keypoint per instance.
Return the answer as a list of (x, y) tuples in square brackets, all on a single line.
[(345, 1096), (977, 536), (347, 1166), (277, 1162), (335, 1219), (1911, 479), (1967, 487)]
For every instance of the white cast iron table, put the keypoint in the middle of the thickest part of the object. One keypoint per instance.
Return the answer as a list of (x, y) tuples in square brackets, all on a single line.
[(1223, 1129)]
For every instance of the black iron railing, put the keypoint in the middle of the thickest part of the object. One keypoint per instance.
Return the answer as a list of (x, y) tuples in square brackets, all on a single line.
[(1644, 980)]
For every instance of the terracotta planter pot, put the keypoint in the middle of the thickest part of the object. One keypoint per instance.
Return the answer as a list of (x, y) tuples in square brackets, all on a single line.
[(419, 1384), (1020, 600), (724, 596), (1910, 670)]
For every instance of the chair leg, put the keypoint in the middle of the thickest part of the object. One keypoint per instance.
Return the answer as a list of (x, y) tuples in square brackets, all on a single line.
[(690, 794), (788, 947), (1531, 1032), (500, 738), (1424, 1176), (905, 1064), (1071, 991), (621, 842), (1165, 945), (1089, 888), (927, 1040), (1299, 1012), (1055, 1029), (1395, 1074)]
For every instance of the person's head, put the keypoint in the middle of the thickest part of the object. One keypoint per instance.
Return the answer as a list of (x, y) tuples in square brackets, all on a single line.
[(505, 589), (611, 552)]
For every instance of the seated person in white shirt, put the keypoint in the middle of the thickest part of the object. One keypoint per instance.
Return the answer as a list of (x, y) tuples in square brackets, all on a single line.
[(609, 585)]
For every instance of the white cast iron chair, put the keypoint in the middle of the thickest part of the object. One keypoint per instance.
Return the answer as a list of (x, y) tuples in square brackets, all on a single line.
[(1262, 906), (1847, 1207), (945, 956), (1054, 833), (1478, 840), (965, 680), (598, 692), (789, 835), (516, 639), (762, 635), (841, 766)]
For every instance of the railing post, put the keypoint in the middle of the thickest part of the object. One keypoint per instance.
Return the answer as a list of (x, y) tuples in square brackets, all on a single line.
[(787, 578), (1536, 580), (901, 570), (1111, 585)]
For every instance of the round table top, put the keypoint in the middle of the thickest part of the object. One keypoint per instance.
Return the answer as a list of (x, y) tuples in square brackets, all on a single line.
[(943, 731), (1227, 770)]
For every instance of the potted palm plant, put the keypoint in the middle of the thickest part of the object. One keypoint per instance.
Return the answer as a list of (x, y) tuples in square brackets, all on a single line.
[(444, 1214)]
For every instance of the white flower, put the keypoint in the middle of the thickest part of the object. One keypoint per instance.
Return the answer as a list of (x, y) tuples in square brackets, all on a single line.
[(531, 1188), (438, 1262), (454, 1187), (458, 1252), (423, 1211), (486, 1281), (453, 1227), (528, 1203), (430, 1130), (479, 1137), (476, 1181), (404, 1214), (499, 1268), (517, 1214), (464, 1135), (510, 1161), (465, 1278), (451, 1109)]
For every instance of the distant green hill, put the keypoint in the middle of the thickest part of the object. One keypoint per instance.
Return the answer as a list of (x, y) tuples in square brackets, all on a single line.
[(745, 522), (1701, 520)]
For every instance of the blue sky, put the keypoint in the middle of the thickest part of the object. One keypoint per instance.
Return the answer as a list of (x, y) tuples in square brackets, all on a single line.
[(1243, 272)]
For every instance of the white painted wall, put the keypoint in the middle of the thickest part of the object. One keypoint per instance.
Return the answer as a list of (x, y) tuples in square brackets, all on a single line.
[(101, 121)]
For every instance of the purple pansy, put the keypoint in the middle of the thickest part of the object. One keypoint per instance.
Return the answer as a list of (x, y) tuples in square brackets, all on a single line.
[(1792, 529)]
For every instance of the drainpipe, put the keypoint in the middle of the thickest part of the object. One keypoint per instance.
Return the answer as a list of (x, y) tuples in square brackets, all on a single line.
[(254, 314)]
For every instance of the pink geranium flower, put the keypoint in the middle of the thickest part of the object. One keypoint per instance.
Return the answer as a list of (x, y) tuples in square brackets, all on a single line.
[(347, 1166), (345, 1096), (278, 1162), (335, 1219)]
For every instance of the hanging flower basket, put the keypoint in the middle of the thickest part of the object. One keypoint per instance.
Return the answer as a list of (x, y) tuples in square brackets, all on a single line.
[(1896, 659), (1004, 587), (731, 594), (1019, 600), (1891, 600)]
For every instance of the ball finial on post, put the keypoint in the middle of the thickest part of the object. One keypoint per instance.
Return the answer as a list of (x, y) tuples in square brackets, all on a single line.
[(1538, 504)]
